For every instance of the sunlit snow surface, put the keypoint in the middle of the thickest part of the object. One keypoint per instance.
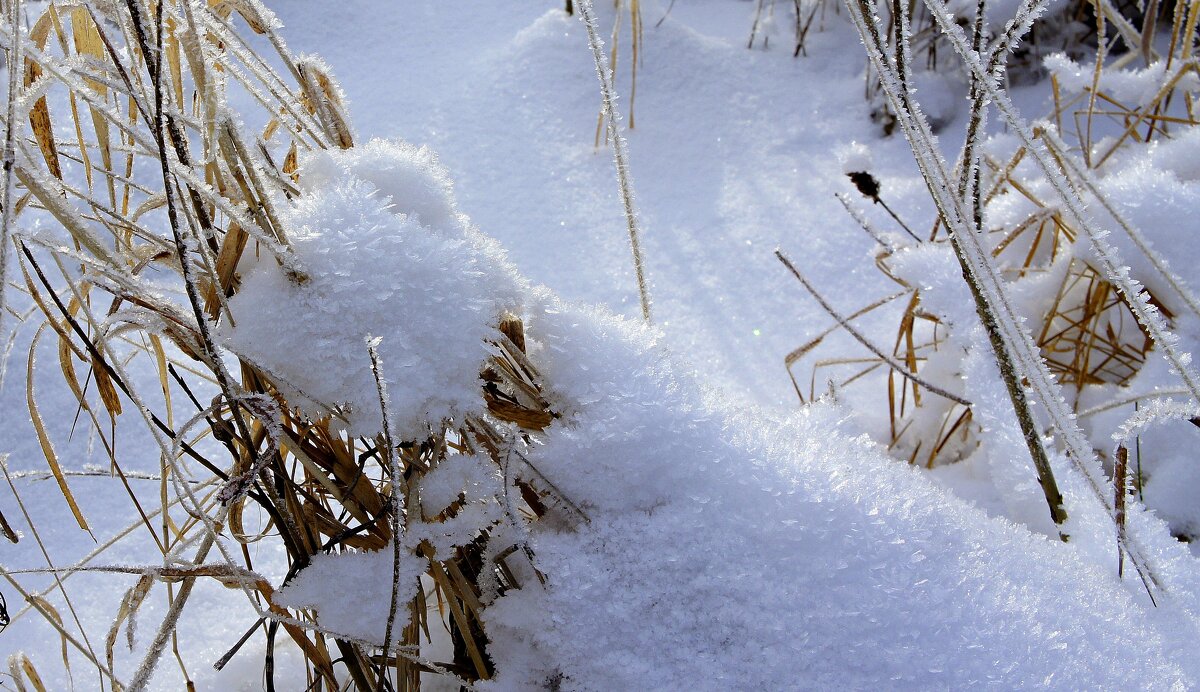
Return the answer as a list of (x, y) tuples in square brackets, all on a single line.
[(729, 541)]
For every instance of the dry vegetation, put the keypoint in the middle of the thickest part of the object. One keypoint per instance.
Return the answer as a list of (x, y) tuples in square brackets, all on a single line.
[(159, 179), (1099, 326)]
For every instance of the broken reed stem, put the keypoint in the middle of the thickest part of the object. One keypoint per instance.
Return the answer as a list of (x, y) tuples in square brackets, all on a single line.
[(893, 363), (620, 155)]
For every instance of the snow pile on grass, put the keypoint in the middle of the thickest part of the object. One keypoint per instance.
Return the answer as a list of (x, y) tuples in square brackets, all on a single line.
[(351, 591), (387, 255)]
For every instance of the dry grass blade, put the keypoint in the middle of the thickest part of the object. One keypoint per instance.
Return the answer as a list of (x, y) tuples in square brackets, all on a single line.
[(144, 79), (896, 366), (20, 667), (43, 436), (128, 610)]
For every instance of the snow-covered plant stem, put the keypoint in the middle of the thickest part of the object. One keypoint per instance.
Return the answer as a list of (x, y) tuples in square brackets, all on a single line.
[(620, 154), (10, 155), (962, 225), (389, 456)]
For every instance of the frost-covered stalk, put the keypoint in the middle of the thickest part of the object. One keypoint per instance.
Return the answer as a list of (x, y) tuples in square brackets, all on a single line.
[(10, 155), (389, 456), (981, 272), (963, 227), (620, 155)]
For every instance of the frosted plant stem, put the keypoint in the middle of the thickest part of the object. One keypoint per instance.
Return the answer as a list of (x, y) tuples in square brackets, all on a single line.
[(15, 70), (167, 627), (892, 362), (1107, 256), (389, 456), (980, 269), (620, 155), (863, 223)]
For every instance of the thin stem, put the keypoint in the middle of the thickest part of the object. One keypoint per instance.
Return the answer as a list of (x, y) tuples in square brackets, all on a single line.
[(895, 364), (620, 155)]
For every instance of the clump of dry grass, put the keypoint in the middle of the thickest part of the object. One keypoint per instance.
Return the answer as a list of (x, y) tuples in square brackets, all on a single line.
[(158, 178)]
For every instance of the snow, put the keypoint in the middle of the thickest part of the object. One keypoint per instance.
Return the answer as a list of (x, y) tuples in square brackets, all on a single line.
[(386, 255), (742, 549), (724, 536), (351, 592)]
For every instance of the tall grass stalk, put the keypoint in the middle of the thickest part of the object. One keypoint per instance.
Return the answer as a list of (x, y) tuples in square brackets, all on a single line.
[(620, 153), (10, 155)]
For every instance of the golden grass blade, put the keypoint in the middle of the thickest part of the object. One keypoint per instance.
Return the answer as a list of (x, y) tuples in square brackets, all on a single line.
[(88, 42), (456, 611), (32, 674), (129, 605), (61, 33), (160, 360), (51, 613), (108, 393), (248, 12), (44, 438), (39, 116)]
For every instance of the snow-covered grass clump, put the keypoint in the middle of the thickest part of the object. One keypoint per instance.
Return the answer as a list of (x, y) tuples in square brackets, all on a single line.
[(387, 255)]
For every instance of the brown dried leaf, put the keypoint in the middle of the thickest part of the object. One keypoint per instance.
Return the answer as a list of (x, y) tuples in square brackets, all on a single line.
[(44, 438)]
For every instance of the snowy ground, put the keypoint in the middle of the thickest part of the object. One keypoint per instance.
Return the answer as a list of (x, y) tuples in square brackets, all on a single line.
[(787, 551)]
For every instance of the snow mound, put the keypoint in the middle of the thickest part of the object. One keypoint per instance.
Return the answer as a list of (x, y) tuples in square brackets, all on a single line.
[(724, 549), (715, 547), (387, 255)]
